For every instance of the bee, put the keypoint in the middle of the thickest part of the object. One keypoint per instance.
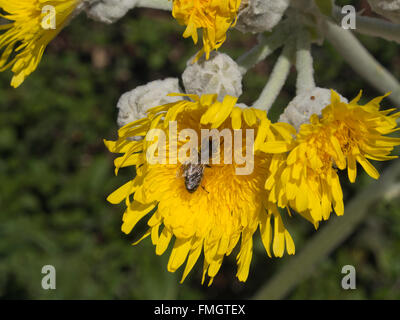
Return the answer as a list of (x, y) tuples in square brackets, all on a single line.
[(193, 171)]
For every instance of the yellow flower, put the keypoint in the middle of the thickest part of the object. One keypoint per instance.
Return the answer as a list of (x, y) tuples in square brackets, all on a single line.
[(226, 207), (29, 31), (360, 131), (214, 17), (345, 133), (307, 182)]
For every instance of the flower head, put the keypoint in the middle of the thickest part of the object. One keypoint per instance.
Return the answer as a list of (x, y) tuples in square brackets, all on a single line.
[(214, 17), (360, 131), (227, 206), (33, 24), (308, 182), (345, 133)]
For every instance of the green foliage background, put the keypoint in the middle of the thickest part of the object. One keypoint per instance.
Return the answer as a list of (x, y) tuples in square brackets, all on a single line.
[(55, 173)]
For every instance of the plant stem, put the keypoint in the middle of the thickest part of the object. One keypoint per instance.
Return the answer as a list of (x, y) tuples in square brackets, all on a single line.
[(266, 45), (155, 4), (304, 62), (278, 77), (299, 267), (362, 61)]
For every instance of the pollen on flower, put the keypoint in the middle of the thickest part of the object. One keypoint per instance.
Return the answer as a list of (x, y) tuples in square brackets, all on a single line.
[(226, 208), (214, 17), (24, 38)]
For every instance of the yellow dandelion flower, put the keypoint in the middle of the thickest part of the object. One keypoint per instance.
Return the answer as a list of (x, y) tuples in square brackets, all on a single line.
[(360, 131), (307, 182), (32, 25), (214, 17), (345, 133), (226, 206)]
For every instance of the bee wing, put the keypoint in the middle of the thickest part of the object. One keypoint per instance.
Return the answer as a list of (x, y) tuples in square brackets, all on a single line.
[(181, 171)]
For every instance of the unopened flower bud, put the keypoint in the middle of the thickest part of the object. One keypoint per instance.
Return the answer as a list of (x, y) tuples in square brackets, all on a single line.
[(257, 16), (108, 11), (219, 74), (387, 8), (306, 104), (133, 104)]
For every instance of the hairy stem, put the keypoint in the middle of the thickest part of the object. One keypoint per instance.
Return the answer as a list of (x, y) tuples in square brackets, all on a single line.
[(155, 4), (266, 46), (362, 61), (277, 78), (304, 62)]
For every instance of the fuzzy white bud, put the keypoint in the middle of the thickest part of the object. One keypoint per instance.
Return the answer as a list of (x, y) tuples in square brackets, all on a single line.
[(108, 11), (220, 74), (133, 104), (309, 102), (257, 16), (388, 8)]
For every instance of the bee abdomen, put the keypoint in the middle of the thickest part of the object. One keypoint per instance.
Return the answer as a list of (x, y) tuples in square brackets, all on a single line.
[(193, 177)]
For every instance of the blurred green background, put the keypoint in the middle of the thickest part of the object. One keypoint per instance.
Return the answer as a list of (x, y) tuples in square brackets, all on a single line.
[(55, 173)]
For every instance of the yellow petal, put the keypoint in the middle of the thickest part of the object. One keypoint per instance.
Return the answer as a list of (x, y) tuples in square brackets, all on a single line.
[(236, 116), (192, 259), (352, 168), (335, 98), (134, 213), (214, 267), (178, 254), (244, 259), (266, 234), (119, 146), (142, 237), (275, 147), (368, 167), (226, 108), (249, 116), (356, 99), (121, 193), (155, 234), (285, 130), (290, 247), (129, 159), (163, 241), (337, 194), (278, 245)]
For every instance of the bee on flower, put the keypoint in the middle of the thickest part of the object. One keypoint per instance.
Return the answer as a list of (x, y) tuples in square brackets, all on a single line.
[(225, 207)]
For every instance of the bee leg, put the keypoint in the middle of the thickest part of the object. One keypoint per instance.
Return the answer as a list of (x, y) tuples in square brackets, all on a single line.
[(204, 189), (208, 166)]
